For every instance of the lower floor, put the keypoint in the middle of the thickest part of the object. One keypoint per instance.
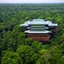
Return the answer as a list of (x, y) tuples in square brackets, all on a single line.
[(39, 37)]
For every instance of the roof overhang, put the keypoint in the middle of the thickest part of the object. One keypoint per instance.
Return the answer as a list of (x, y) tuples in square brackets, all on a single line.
[(42, 32)]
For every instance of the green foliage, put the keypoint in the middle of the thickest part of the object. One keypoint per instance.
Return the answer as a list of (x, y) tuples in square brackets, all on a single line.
[(44, 57), (62, 59), (11, 58), (28, 41), (37, 46), (21, 50), (26, 53)]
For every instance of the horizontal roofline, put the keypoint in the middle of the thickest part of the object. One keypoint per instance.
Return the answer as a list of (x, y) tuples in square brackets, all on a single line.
[(46, 31), (38, 22)]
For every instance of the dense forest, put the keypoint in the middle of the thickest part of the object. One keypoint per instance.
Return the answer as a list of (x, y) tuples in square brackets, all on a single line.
[(15, 48)]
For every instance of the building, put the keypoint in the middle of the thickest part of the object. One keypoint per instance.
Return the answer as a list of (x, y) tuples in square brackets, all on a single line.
[(39, 29)]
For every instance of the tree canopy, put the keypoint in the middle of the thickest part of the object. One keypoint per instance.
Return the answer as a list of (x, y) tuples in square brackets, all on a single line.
[(15, 48)]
